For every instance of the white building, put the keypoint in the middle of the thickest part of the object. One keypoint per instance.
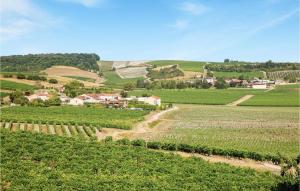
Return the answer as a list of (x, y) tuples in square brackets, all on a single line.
[(42, 96), (109, 97), (76, 101), (152, 100), (259, 86)]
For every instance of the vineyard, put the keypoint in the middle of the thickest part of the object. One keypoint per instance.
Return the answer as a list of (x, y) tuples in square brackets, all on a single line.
[(41, 162), (265, 130), (8, 85), (98, 117), (284, 74), (198, 96), (284, 95)]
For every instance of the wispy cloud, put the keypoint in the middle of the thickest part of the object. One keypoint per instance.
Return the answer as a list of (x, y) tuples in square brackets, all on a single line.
[(20, 17), (86, 3), (180, 24), (193, 8)]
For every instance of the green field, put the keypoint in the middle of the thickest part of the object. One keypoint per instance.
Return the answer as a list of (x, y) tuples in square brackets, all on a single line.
[(99, 117), (198, 96), (237, 74), (114, 80), (41, 162), (8, 85), (265, 130), (194, 66), (3, 94), (284, 95), (81, 78)]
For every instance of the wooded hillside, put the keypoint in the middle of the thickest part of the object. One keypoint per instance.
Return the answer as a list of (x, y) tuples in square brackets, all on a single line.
[(38, 62)]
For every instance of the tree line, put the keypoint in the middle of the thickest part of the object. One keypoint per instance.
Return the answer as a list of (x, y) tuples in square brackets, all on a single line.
[(38, 62)]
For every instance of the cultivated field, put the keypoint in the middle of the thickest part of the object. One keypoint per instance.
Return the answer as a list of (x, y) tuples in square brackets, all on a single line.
[(60, 71), (265, 130), (198, 96), (40, 162), (284, 95), (98, 117), (124, 64), (10, 85), (81, 78), (114, 80), (283, 74), (194, 66), (132, 72)]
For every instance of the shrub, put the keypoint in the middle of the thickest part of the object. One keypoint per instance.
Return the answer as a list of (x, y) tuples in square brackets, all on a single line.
[(123, 141), (139, 142), (7, 75), (203, 150), (53, 81), (169, 146), (154, 145), (21, 76), (108, 139), (186, 148)]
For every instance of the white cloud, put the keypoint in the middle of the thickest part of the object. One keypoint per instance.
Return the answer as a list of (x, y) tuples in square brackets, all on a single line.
[(20, 17), (193, 8), (180, 24), (86, 3)]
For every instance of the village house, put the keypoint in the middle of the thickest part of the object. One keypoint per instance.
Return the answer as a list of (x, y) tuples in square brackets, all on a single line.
[(39, 95), (64, 99), (152, 100), (259, 85), (76, 101)]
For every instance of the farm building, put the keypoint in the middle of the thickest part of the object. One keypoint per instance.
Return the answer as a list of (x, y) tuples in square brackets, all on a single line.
[(259, 86), (76, 101), (40, 95), (152, 100), (109, 97)]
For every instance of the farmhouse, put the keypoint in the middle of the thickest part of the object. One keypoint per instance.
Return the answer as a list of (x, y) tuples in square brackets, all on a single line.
[(76, 101), (40, 95), (259, 86), (152, 100), (109, 97)]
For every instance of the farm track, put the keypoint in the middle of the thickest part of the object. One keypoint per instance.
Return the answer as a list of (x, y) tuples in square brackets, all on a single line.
[(242, 99), (88, 132)]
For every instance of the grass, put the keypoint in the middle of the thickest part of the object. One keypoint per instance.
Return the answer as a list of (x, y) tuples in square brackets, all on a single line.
[(284, 95), (237, 74), (194, 66), (99, 117), (3, 94), (114, 80), (198, 96), (44, 162), (8, 85), (81, 78), (265, 130)]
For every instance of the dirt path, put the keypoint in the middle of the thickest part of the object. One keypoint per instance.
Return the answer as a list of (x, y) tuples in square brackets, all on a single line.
[(140, 128), (242, 99), (245, 163)]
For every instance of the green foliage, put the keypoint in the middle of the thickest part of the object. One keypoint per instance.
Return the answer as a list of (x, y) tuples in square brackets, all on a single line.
[(124, 141), (99, 117), (7, 75), (230, 75), (9, 85), (44, 162), (81, 78), (154, 145), (18, 97), (221, 84), (128, 87), (36, 78), (38, 62), (21, 76), (169, 146), (53, 81), (114, 80), (166, 72), (74, 88), (139, 143)]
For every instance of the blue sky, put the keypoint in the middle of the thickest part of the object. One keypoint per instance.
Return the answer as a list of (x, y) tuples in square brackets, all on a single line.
[(209, 30)]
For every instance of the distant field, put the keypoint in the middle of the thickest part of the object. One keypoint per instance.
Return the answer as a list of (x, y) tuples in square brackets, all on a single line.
[(266, 130), (81, 78), (9, 85), (237, 74), (132, 72), (3, 94), (282, 74), (198, 96), (41, 162), (284, 95), (113, 79), (194, 66), (98, 117), (105, 65)]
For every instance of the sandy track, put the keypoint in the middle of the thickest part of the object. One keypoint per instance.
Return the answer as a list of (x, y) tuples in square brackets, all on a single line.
[(242, 99)]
